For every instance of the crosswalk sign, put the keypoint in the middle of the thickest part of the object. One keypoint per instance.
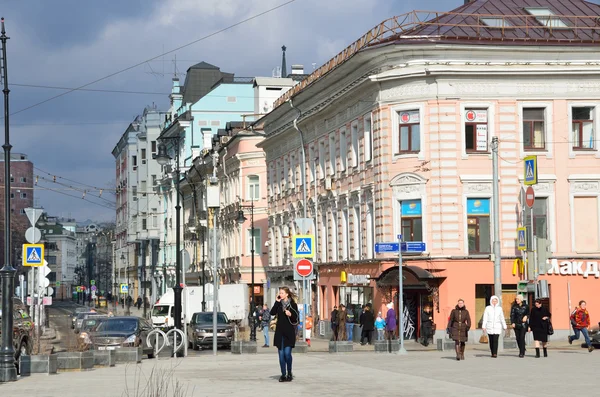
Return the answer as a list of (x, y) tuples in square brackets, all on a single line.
[(530, 170), (124, 288), (33, 254), (303, 246), (522, 238)]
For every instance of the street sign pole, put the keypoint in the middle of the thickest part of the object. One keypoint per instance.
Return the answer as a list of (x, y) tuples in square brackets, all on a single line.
[(400, 297)]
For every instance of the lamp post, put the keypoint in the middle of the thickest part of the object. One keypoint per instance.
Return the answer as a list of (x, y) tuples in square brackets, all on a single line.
[(8, 371), (241, 219), (163, 158), (116, 297)]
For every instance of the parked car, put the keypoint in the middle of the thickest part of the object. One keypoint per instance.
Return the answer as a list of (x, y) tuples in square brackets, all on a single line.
[(75, 313), (200, 330), (125, 331), (88, 326), (82, 316), (22, 329)]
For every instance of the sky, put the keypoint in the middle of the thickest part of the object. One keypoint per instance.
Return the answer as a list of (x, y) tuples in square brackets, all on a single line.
[(69, 43)]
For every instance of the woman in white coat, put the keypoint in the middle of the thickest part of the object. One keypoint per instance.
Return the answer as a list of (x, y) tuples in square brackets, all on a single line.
[(493, 323)]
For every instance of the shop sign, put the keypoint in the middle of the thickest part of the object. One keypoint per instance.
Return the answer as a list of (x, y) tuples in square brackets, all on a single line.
[(573, 268), (358, 279), (411, 117)]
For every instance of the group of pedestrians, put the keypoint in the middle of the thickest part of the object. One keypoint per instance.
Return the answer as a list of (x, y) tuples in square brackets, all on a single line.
[(536, 320), (344, 319)]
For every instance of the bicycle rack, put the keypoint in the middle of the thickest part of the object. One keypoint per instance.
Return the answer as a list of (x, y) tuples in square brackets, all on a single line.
[(158, 347)]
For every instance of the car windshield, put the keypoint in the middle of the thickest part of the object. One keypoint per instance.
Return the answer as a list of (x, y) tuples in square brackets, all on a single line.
[(208, 318), (160, 310), (118, 325), (82, 315), (91, 324)]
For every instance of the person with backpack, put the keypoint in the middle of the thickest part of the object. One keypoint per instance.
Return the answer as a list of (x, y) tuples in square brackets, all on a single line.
[(580, 320), (350, 324)]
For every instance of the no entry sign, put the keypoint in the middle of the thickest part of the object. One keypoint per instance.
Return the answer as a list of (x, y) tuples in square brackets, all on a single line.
[(304, 267), (529, 197)]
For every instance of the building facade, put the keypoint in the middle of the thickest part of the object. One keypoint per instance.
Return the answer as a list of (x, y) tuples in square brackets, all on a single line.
[(398, 133)]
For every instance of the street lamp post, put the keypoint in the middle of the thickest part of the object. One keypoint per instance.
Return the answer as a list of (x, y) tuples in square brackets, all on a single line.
[(241, 219), (8, 371), (163, 158)]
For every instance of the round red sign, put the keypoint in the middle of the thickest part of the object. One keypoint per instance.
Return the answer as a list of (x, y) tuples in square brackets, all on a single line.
[(405, 117), (304, 267), (470, 115), (529, 197)]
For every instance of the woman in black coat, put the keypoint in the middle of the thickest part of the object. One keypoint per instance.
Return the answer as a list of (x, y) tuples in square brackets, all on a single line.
[(286, 310), (539, 322)]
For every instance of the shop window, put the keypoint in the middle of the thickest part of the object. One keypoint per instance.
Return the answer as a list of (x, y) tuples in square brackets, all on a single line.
[(410, 132), (540, 218), (582, 128), (478, 225), (412, 222), (534, 130), (476, 130)]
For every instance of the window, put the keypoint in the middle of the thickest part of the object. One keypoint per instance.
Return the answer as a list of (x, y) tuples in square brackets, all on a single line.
[(582, 127), (478, 225), (253, 187), (321, 159), (51, 260), (134, 191), (476, 130), (22, 179), (368, 136), (412, 223), (286, 174), (22, 212), (534, 129), (370, 230), (153, 180), (144, 188), (546, 17), (134, 162), (153, 146), (23, 195), (345, 234), (540, 218), (354, 136), (144, 224), (143, 154), (343, 151), (332, 155), (357, 233), (254, 237), (495, 22), (355, 297), (12, 179), (585, 211), (410, 132), (334, 236), (154, 220)]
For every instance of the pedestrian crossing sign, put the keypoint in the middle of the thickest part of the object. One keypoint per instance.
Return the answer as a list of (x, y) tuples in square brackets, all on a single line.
[(33, 254), (530, 169), (124, 288), (522, 238), (303, 246)]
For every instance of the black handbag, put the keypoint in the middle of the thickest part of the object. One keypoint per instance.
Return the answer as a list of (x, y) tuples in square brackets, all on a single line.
[(550, 328)]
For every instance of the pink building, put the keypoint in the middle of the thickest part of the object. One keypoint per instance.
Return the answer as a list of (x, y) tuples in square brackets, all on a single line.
[(398, 131)]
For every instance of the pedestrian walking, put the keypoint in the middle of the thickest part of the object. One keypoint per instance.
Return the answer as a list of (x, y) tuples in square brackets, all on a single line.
[(286, 310), (390, 321), (519, 318), (380, 326), (138, 302), (367, 321), (426, 325), (341, 323), (580, 320), (350, 323), (265, 320), (539, 324), (458, 327), (309, 326), (334, 322), (493, 323)]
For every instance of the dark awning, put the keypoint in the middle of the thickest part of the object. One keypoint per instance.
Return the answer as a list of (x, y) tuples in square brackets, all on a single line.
[(415, 275)]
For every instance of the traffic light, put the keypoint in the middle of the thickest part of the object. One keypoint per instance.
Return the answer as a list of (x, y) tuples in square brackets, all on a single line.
[(43, 282), (522, 287)]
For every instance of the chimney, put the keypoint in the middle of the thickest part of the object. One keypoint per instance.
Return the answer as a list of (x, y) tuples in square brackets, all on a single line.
[(297, 69)]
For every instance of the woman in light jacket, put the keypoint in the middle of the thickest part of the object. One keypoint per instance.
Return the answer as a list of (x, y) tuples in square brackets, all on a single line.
[(493, 323)]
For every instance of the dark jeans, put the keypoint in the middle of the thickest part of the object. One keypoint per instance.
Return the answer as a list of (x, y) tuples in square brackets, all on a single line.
[(365, 335), (520, 335), (334, 328), (585, 333), (493, 343), (285, 359), (426, 334)]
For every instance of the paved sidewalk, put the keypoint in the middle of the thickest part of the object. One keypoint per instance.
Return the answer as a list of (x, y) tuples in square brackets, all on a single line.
[(354, 374)]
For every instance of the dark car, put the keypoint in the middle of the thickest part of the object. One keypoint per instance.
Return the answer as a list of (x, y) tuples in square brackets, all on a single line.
[(22, 329), (75, 313), (88, 327), (126, 331), (200, 330)]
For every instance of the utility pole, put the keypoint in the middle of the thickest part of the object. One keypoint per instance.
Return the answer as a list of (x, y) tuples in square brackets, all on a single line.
[(496, 255)]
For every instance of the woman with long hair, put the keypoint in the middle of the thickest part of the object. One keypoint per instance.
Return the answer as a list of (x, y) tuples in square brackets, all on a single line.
[(458, 327), (286, 310)]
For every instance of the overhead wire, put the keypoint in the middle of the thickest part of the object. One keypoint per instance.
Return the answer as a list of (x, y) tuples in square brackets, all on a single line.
[(155, 57), (67, 179)]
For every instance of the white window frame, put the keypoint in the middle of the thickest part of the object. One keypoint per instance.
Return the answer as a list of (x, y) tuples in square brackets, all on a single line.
[(474, 195), (343, 150), (548, 124), (280, 245), (322, 155), (368, 138), (395, 120), (355, 148), (252, 186), (332, 154), (357, 232), (573, 193), (596, 115), (257, 244), (345, 234), (286, 173), (491, 116)]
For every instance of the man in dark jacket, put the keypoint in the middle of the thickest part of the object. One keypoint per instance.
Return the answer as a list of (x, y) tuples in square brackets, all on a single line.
[(367, 321), (334, 322)]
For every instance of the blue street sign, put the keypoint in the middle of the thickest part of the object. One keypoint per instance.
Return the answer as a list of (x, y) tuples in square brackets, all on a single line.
[(530, 170), (381, 248), (33, 254), (303, 246), (522, 238), (414, 246)]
